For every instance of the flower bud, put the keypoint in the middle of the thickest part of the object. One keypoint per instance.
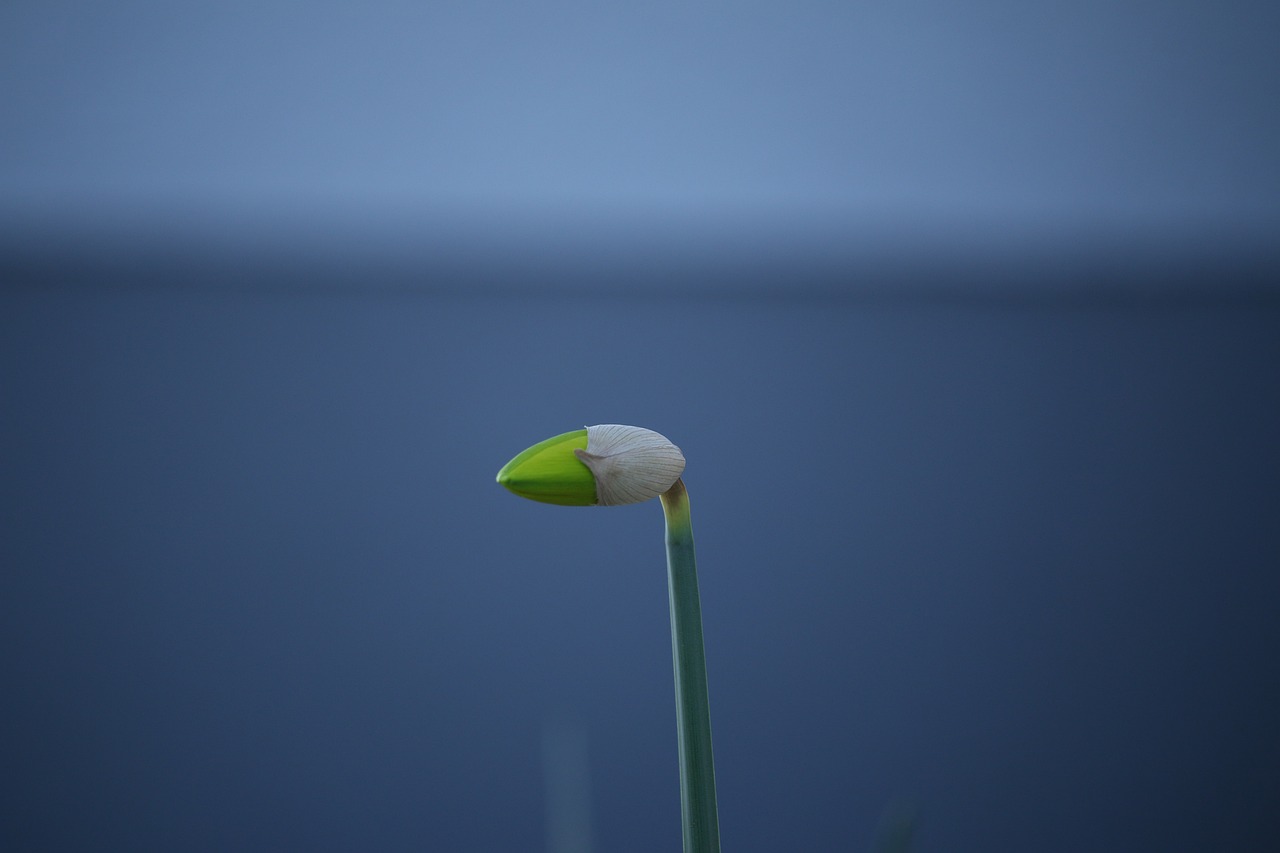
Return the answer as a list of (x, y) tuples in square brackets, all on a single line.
[(604, 465)]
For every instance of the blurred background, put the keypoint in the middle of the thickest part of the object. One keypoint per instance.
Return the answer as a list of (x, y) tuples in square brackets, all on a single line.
[(967, 318)]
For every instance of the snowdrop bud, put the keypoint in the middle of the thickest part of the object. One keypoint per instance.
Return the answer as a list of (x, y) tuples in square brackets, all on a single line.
[(609, 464)]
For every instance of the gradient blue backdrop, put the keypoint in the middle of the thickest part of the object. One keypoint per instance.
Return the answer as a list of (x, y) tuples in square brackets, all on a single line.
[(966, 318)]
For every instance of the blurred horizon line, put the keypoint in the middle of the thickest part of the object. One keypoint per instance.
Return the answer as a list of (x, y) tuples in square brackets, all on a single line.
[(689, 253)]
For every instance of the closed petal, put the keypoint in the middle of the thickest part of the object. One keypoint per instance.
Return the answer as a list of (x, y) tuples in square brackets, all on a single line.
[(630, 464)]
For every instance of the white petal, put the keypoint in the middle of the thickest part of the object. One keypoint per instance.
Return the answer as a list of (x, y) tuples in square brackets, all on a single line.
[(630, 464)]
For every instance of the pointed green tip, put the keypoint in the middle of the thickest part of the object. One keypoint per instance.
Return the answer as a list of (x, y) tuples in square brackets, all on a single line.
[(551, 472)]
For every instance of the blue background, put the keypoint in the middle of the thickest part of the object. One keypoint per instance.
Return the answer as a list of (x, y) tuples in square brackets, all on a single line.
[(967, 320)]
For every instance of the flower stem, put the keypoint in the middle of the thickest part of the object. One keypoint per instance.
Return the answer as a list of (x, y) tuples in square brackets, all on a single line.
[(693, 715)]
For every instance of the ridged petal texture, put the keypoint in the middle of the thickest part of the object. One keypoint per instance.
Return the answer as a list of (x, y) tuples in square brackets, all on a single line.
[(630, 464)]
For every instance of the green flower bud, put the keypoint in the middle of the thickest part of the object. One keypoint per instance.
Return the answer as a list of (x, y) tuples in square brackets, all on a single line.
[(550, 472), (603, 465)]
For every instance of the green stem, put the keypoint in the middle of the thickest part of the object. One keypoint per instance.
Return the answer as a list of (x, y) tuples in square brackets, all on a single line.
[(693, 714)]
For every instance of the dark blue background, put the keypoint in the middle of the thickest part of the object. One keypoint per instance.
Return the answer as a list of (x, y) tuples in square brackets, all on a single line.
[(967, 320), (1013, 565)]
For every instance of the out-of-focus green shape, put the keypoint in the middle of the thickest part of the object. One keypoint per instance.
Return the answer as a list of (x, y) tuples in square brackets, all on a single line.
[(897, 829)]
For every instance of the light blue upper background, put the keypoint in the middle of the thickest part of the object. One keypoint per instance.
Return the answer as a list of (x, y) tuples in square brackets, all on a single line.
[(375, 125)]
